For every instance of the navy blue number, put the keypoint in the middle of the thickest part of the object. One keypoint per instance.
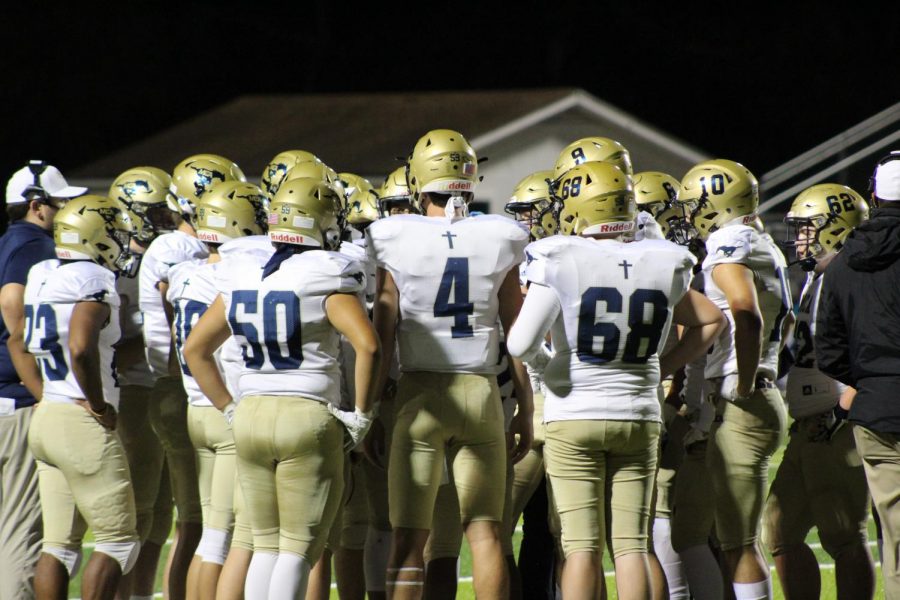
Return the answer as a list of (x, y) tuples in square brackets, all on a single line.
[(455, 280), (638, 328), (276, 340), (589, 328), (247, 298), (291, 305), (775, 336), (185, 318), (46, 319)]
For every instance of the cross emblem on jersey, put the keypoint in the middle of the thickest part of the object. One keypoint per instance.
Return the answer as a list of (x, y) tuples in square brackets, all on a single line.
[(625, 264), (449, 237)]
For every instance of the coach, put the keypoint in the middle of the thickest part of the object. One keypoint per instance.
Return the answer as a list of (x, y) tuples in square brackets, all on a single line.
[(858, 343), (33, 195)]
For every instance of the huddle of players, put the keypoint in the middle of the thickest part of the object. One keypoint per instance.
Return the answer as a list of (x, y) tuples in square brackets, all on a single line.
[(262, 294)]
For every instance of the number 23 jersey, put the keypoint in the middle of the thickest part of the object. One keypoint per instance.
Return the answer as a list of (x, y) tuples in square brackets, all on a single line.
[(448, 274), (289, 346), (615, 302), (51, 293)]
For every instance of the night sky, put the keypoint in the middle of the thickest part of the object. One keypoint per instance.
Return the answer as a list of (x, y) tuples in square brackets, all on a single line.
[(758, 86)]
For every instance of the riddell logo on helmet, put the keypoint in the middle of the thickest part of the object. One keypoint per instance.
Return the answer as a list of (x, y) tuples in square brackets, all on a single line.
[(616, 227), (288, 238), (207, 236), (461, 186), (63, 253)]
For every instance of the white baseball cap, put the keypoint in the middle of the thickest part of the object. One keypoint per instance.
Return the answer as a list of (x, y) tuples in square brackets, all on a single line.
[(50, 180), (887, 178)]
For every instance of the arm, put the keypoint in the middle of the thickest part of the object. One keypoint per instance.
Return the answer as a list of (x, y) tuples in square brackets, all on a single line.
[(210, 332), (88, 318), (349, 317), (736, 282), (174, 367), (831, 341), (129, 352), (385, 311), (12, 308), (510, 297), (702, 322)]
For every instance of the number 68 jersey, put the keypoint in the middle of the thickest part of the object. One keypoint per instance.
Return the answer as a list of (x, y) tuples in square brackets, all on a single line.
[(615, 305), (51, 293), (448, 274), (289, 347)]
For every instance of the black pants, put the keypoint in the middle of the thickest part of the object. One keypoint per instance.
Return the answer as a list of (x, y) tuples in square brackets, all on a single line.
[(537, 554)]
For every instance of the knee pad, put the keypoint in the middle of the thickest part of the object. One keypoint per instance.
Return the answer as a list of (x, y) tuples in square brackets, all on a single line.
[(124, 553), (71, 559), (213, 546), (378, 548)]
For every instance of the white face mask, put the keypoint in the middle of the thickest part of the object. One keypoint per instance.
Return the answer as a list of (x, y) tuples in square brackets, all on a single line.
[(456, 208)]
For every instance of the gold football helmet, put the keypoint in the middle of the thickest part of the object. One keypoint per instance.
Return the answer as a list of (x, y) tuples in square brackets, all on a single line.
[(442, 162), (716, 192), (592, 149), (278, 168), (361, 200), (314, 170), (305, 212), (95, 228), (531, 205), (820, 219), (196, 175), (394, 197), (654, 191), (597, 197), (230, 210), (145, 192)]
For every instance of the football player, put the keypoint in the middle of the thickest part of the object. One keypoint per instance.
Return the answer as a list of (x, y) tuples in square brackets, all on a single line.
[(443, 282), (71, 309), (145, 192), (820, 481), (745, 275), (288, 316), (277, 170), (229, 211), (601, 410), (192, 178), (393, 197)]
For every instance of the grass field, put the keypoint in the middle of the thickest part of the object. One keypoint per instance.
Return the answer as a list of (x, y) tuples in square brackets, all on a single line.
[(465, 584)]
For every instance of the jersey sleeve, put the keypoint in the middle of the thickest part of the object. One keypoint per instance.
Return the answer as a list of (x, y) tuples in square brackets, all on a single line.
[(540, 257), (99, 287), (731, 245), (336, 273), (379, 234)]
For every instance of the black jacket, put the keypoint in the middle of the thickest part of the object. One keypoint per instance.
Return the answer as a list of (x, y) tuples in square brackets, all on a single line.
[(858, 325)]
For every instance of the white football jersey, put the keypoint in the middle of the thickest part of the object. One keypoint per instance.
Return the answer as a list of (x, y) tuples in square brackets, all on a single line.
[(289, 347), (809, 391), (257, 249), (448, 274), (132, 327), (615, 302), (191, 290), (741, 244), (51, 293), (164, 252)]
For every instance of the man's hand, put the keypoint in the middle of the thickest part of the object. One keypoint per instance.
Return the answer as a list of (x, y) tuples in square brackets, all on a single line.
[(522, 428), (356, 423), (106, 415)]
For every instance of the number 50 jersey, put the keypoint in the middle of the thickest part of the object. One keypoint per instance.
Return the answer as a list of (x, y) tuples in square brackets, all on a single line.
[(615, 303), (289, 346), (448, 274)]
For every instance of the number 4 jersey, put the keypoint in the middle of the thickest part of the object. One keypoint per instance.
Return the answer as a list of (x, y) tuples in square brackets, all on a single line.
[(289, 346), (614, 303), (52, 291), (448, 274)]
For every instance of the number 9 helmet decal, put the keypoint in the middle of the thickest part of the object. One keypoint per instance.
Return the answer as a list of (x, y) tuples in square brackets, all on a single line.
[(716, 192), (532, 206), (95, 228), (592, 149), (442, 162), (820, 219), (596, 197), (305, 212)]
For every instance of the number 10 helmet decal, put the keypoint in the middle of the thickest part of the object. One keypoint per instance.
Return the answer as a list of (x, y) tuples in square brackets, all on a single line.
[(716, 192)]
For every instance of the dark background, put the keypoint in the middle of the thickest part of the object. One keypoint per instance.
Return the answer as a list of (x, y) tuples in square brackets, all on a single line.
[(743, 81)]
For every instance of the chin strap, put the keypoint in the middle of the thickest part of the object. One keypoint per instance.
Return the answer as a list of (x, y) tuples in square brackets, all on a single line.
[(456, 208)]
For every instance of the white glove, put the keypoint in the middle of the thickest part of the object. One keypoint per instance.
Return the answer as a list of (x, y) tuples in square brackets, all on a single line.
[(356, 423), (228, 412), (728, 389)]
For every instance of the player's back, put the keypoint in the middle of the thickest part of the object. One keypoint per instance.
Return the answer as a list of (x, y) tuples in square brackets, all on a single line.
[(289, 347), (448, 274), (51, 293), (616, 303)]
